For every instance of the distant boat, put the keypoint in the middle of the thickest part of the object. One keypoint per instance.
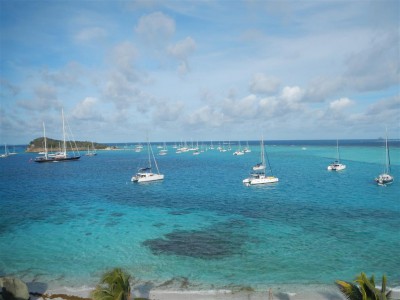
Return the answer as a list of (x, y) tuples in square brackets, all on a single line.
[(13, 152), (385, 178), (239, 151), (145, 174), (164, 150), (261, 177), (6, 154), (336, 165), (247, 148), (91, 152), (59, 156)]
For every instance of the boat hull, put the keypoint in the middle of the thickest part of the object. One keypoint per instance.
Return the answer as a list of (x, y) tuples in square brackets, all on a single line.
[(147, 177), (336, 167), (260, 180), (384, 179), (56, 159)]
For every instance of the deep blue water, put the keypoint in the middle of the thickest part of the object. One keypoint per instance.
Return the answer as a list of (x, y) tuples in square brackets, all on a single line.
[(66, 223)]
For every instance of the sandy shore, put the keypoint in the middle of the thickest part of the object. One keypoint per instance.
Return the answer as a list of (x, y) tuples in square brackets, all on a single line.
[(328, 292), (320, 293)]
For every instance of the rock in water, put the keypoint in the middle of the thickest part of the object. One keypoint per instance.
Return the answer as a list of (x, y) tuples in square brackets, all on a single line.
[(13, 289)]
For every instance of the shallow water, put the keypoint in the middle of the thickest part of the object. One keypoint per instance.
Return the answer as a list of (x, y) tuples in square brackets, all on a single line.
[(66, 223)]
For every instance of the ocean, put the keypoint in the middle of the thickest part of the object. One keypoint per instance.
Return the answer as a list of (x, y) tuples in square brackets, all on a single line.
[(66, 223)]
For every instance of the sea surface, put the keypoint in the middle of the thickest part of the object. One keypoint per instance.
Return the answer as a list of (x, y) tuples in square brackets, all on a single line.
[(66, 223)]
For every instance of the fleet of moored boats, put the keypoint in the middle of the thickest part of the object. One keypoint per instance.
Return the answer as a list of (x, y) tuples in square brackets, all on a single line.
[(261, 172)]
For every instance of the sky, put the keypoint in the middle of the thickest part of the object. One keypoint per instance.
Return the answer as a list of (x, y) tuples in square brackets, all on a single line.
[(233, 70)]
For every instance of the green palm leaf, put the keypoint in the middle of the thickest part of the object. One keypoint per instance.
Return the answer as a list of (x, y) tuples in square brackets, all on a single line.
[(349, 290), (363, 289), (114, 285)]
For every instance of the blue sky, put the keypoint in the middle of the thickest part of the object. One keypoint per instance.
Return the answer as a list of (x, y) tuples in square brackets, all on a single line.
[(199, 70)]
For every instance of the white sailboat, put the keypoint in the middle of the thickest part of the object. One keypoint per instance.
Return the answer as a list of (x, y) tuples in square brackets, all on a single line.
[(247, 148), (59, 156), (385, 178), (336, 165), (261, 177), (164, 150), (145, 174), (239, 151), (91, 152), (6, 154)]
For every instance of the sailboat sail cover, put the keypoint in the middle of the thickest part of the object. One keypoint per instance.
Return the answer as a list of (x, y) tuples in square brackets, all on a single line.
[(145, 169)]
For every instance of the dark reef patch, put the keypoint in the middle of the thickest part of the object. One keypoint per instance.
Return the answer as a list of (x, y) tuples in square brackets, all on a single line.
[(116, 214), (215, 242)]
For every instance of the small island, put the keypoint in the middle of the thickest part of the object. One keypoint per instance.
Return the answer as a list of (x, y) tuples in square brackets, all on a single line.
[(37, 145)]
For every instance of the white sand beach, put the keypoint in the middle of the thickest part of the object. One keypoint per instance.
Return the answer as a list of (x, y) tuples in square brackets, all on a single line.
[(314, 293)]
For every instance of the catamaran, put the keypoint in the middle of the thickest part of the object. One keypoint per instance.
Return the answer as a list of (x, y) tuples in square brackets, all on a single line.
[(385, 178), (261, 177), (145, 174), (336, 165)]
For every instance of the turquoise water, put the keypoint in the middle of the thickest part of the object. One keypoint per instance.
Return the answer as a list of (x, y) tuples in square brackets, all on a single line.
[(66, 223)]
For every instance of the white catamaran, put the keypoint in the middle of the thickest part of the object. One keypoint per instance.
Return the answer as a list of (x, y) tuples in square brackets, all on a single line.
[(336, 165), (145, 174), (261, 177), (385, 178)]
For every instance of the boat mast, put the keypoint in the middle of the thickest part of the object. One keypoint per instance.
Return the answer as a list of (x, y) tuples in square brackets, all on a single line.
[(148, 150), (337, 151), (64, 143), (262, 154), (387, 158), (45, 141)]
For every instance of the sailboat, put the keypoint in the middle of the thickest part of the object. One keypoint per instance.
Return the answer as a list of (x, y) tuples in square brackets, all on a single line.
[(91, 152), (145, 174), (59, 156), (6, 153), (164, 150), (385, 178), (239, 151), (261, 177), (247, 148), (336, 165)]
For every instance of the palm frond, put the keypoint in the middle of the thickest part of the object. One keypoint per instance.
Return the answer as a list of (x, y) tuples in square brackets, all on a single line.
[(114, 286), (349, 290)]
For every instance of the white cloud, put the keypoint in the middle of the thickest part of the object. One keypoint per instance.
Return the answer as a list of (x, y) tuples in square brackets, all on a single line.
[(264, 84), (169, 112), (340, 104), (155, 28), (322, 88), (46, 98), (268, 106), (182, 49), (87, 110), (292, 94), (124, 55), (67, 76), (205, 116), (241, 109)]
